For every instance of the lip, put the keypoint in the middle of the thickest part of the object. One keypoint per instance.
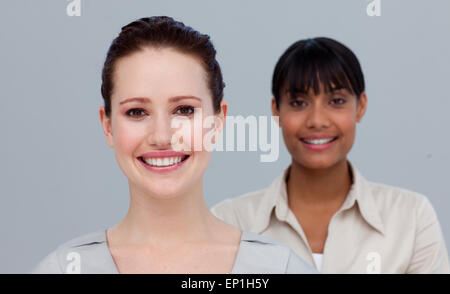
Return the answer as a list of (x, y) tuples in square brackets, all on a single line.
[(160, 154), (318, 147), (318, 137)]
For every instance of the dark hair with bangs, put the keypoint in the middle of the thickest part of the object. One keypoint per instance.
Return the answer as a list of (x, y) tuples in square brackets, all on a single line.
[(313, 62)]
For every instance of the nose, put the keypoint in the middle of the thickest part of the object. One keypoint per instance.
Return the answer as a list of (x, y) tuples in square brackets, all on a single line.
[(317, 118), (160, 134)]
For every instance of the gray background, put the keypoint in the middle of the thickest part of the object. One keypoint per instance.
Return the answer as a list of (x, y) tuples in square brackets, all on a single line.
[(58, 177)]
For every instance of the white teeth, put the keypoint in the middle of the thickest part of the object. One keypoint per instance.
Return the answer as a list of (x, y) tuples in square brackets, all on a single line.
[(319, 141), (166, 161)]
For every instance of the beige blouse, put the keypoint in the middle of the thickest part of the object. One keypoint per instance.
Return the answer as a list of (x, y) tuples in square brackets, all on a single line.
[(378, 229)]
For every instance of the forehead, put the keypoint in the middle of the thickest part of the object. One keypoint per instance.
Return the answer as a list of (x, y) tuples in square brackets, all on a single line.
[(319, 91), (159, 73)]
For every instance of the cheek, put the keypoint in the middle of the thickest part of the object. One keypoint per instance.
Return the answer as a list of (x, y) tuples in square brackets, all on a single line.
[(194, 137), (128, 136), (186, 135), (190, 135), (347, 127), (290, 124)]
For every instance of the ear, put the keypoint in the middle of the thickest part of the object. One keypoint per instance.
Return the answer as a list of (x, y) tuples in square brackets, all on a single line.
[(223, 109), (362, 106), (106, 125), (275, 110), (222, 116)]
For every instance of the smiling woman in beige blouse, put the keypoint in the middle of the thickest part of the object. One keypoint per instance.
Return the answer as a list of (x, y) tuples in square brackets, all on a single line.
[(321, 206)]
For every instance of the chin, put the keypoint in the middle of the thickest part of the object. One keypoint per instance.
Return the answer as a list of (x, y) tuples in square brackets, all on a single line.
[(317, 163), (164, 192), (167, 196)]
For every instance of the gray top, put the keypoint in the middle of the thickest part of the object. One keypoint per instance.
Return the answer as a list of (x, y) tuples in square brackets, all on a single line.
[(89, 254)]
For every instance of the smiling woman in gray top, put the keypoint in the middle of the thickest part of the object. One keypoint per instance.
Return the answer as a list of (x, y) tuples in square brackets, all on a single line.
[(158, 78), (89, 254)]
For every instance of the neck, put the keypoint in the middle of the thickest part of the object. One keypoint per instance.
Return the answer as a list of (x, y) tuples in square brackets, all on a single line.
[(319, 187), (165, 222)]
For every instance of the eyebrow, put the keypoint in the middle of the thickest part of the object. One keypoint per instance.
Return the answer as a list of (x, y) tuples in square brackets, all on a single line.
[(148, 100), (296, 93)]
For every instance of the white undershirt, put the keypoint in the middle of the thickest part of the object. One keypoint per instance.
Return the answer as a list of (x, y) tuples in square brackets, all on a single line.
[(318, 260)]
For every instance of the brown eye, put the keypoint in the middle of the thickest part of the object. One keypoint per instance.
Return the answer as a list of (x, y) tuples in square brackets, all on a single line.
[(297, 103), (338, 101), (185, 110), (135, 112)]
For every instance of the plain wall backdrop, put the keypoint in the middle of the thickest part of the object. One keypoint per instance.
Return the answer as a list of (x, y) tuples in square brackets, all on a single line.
[(58, 177)]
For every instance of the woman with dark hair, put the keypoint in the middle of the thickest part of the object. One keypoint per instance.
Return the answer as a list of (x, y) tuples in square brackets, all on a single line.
[(157, 72), (321, 206)]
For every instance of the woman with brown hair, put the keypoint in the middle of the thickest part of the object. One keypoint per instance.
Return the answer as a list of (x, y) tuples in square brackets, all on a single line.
[(158, 71)]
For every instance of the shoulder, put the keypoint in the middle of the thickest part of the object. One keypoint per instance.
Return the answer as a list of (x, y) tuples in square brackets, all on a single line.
[(390, 199), (68, 256), (387, 200), (401, 209), (85, 240), (253, 208), (237, 210), (412, 218), (262, 255), (250, 200)]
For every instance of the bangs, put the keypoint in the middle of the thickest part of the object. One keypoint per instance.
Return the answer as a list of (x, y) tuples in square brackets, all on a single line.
[(315, 65), (311, 70)]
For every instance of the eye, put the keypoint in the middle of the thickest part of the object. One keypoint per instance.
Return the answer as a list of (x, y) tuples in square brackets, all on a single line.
[(134, 112), (297, 103), (185, 110), (338, 101)]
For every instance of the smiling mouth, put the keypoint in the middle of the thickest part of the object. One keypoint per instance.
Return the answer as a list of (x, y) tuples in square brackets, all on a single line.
[(318, 141), (163, 161)]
